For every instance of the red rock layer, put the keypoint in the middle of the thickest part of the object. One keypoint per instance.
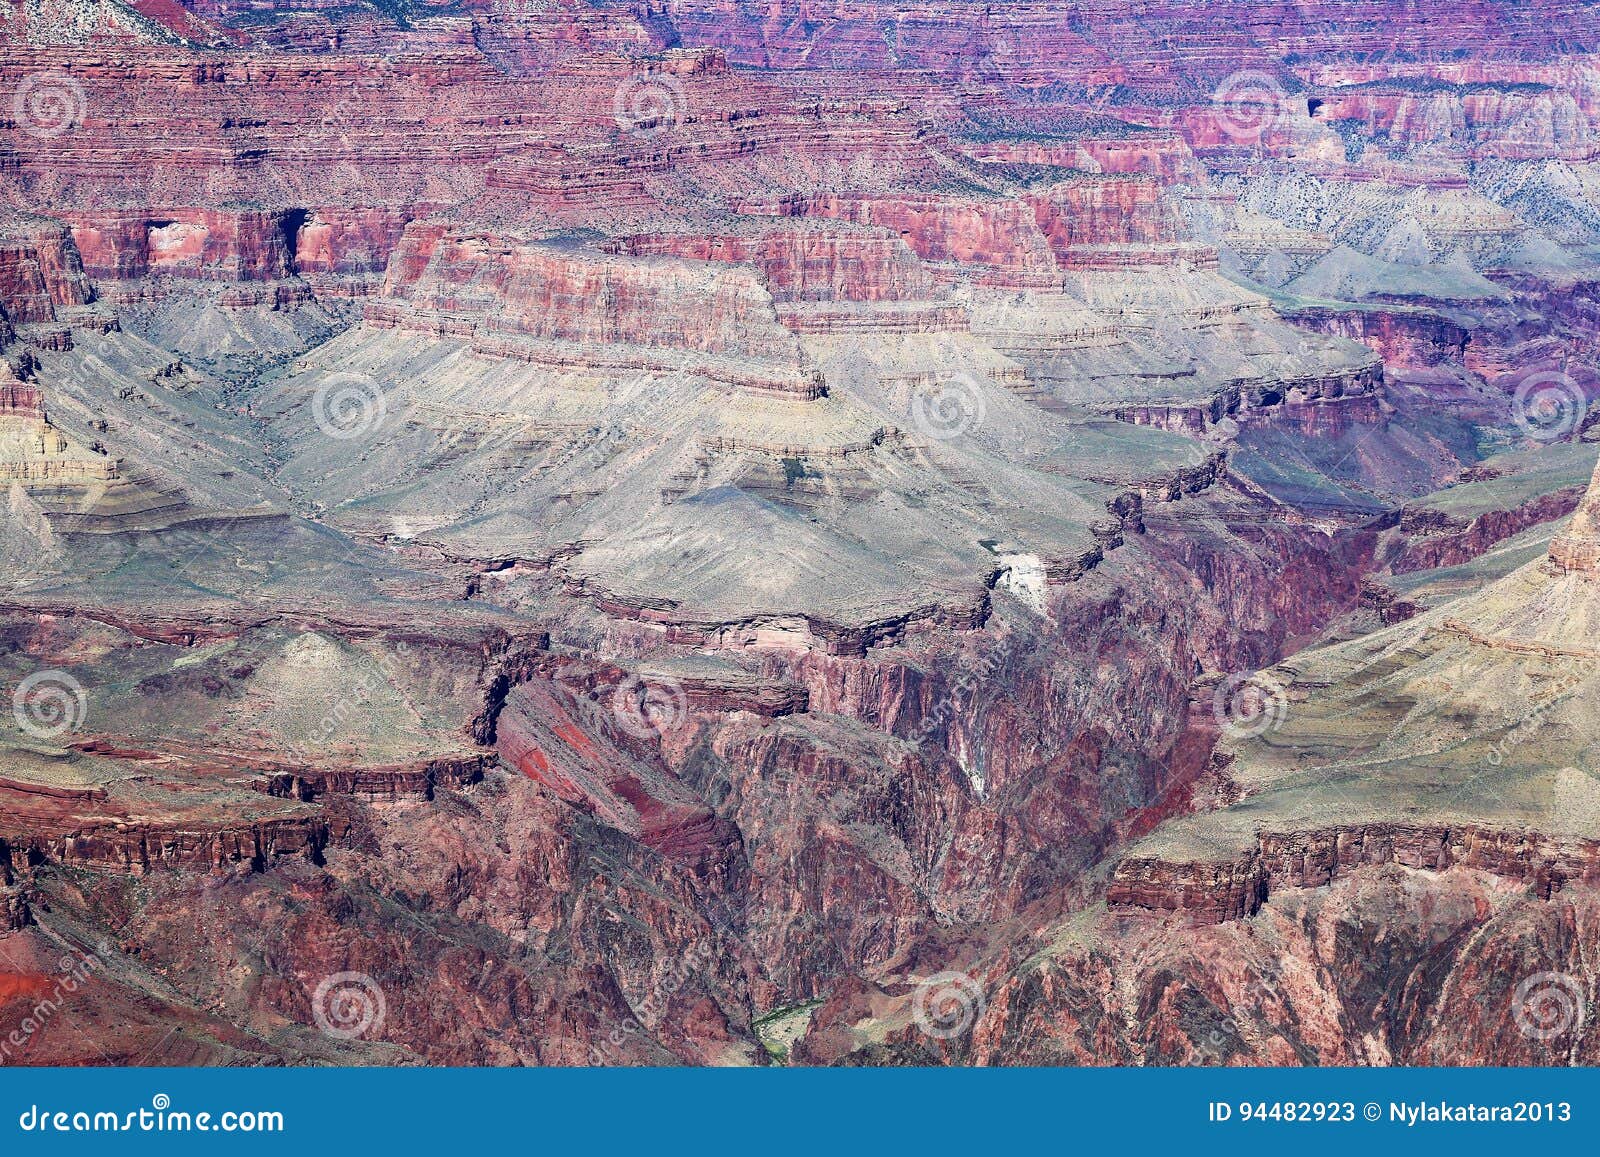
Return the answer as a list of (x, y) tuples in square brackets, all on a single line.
[(804, 264), (139, 848), (1405, 339), (942, 230), (1437, 540), (416, 780), (1032, 44), (216, 245), (1163, 156), (19, 401), (1486, 115), (1103, 211), (521, 298), (1083, 223), (327, 245), (547, 737), (39, 270), (1209, 892)]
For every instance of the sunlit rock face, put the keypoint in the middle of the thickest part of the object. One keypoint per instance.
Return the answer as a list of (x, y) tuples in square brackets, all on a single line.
[(647, 532), (1577, 549)]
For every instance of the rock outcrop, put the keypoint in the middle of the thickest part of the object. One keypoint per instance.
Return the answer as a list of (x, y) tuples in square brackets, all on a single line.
[(1577, 549), (1209, 893)]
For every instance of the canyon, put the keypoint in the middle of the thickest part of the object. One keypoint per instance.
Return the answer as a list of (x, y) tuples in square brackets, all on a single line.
[(941, 533)]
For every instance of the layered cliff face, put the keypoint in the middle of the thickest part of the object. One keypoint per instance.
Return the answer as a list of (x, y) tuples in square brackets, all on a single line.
[(847, 534)]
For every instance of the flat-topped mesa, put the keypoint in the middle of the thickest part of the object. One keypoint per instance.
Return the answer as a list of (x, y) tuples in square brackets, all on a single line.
[(552, 304), (88, 811), (1576, 550), (141, 847), (415, 780)]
